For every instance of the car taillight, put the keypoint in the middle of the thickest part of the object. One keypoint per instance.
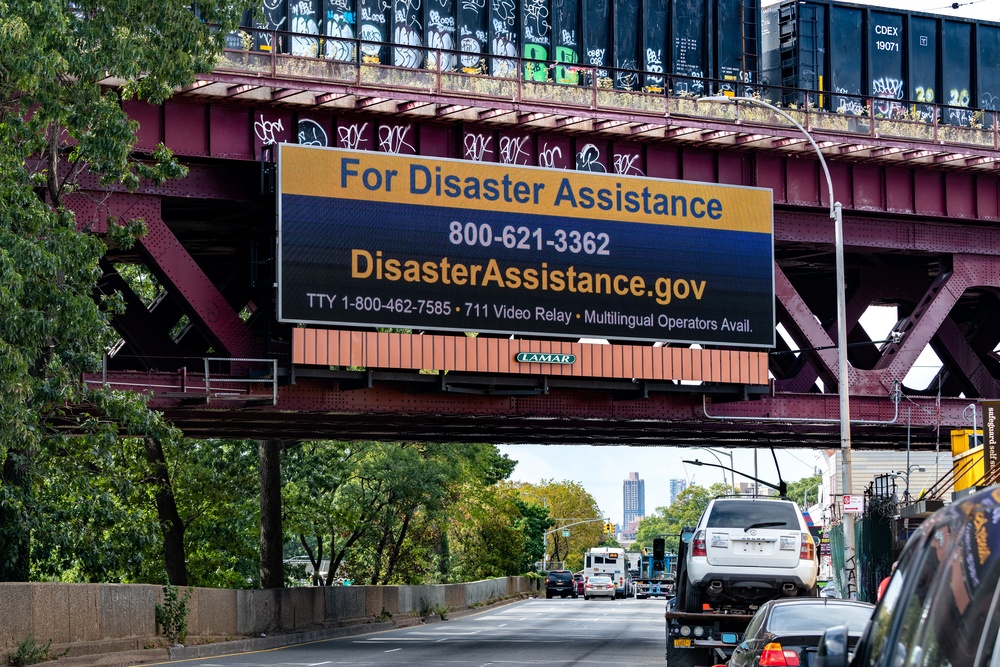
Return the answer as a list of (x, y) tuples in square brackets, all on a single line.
[(775, 656), (698, 544), (808, 550)]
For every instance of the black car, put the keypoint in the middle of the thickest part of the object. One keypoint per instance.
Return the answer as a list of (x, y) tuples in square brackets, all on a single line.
[(941, 605), (787, 631), (560, 582)]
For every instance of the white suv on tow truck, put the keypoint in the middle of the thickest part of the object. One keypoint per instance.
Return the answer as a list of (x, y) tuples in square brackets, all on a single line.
[(746, 551)]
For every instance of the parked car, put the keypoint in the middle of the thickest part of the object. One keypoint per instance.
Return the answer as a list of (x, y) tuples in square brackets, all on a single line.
[(788, 631), (559, 582), (599, 586), (748, 550), (579, 582), (940, 607)]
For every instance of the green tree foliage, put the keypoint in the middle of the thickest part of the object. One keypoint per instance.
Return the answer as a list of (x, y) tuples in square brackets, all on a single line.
[(401, 512), (666, 522), (101, 520), (568, 502), (61, 122), (534, 521), (804, 491)]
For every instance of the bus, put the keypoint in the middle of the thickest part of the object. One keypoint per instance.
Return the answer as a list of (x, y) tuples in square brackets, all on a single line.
[(610, 562)]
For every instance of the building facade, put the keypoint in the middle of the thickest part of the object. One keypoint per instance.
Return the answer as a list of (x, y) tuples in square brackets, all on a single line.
[(676, 486), (634, 497)]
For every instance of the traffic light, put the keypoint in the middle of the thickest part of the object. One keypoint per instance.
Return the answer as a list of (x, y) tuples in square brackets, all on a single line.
[(609, 528)]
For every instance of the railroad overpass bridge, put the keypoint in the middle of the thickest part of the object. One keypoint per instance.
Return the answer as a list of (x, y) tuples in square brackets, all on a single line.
[(921, 211)]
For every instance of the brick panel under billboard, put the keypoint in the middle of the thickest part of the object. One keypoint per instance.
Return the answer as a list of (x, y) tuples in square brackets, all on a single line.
[(421, 243), (334, 347)]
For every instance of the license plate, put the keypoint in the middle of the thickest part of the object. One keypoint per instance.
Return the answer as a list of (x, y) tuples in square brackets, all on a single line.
[(682, 643)]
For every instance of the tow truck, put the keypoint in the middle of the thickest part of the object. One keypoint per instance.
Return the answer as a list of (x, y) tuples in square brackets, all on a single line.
[(656, 573), (706, 638)]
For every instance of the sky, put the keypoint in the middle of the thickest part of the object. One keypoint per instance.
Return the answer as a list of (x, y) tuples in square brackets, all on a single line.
[(974, 9), (601, 470)]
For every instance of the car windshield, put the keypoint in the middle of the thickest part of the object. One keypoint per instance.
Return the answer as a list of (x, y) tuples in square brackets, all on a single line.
[(815, 618), (752, 513), (600, 580), (560, 577)]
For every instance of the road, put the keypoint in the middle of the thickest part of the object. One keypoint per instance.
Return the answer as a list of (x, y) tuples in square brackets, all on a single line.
[(553, 633)]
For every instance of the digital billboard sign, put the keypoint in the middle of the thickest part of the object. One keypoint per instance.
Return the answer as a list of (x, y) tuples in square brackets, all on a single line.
[(378, 239)]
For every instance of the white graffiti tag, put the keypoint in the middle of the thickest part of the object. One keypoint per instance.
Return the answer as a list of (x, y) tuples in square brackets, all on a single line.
[(511, 150), (266, 129), (588, 159), (392, 138), (477, 147), (626, 164), (352, 136), (547, 156)]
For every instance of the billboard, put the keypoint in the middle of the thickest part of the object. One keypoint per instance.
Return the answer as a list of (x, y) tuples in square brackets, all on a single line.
[(386, 240)]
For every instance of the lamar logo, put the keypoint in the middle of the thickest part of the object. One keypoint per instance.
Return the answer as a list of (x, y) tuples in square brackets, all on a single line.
[(544, 358)]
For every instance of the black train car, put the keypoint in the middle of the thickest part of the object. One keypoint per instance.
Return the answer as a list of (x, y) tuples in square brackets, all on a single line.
[(685, 47), (702, 45), (904, 61)]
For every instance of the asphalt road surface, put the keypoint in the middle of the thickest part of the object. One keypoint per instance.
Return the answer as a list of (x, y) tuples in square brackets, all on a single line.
[(554, 633)]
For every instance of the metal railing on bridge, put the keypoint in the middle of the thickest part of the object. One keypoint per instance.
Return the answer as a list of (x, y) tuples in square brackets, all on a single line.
[(566, 87), (222, 379)]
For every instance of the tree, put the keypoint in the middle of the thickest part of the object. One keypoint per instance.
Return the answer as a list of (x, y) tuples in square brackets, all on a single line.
[(667, 522), (59, 122), (804, 491), (400, 512), (568, 502)]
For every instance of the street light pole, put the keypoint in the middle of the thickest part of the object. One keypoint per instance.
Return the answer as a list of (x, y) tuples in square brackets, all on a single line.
[(732, 471), (843, 380)]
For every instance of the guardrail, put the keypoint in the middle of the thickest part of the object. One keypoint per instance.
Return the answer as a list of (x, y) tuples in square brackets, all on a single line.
[(359, 64)]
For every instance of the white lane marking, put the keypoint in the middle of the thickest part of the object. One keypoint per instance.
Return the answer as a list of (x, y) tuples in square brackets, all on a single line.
[(502, 625), (392, 649)]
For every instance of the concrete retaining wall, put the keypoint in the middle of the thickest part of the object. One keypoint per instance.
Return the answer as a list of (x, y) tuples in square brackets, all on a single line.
[(101, 617)]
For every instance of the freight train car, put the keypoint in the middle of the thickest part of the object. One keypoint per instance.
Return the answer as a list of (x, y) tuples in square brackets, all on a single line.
[(692, 47), (906, 62)]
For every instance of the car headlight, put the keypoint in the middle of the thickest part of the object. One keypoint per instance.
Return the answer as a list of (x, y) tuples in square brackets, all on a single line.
[(685, 631), (699, 631)]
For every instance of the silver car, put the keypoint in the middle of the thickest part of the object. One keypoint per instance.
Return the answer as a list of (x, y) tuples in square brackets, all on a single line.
[(599, 586)]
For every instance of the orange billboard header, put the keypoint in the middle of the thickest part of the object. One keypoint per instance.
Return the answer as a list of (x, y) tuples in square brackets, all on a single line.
[(461, 184)]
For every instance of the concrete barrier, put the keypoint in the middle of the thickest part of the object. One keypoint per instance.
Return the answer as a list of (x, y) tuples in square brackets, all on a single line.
[(92, 618)]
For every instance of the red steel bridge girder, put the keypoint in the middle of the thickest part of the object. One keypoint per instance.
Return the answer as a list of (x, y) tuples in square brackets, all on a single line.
[(173, 265), (330, 408), (905, 214), (209, 129)]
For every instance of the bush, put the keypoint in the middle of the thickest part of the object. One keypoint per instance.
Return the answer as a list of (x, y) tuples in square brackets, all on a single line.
[(30, 652), (171, 616)]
